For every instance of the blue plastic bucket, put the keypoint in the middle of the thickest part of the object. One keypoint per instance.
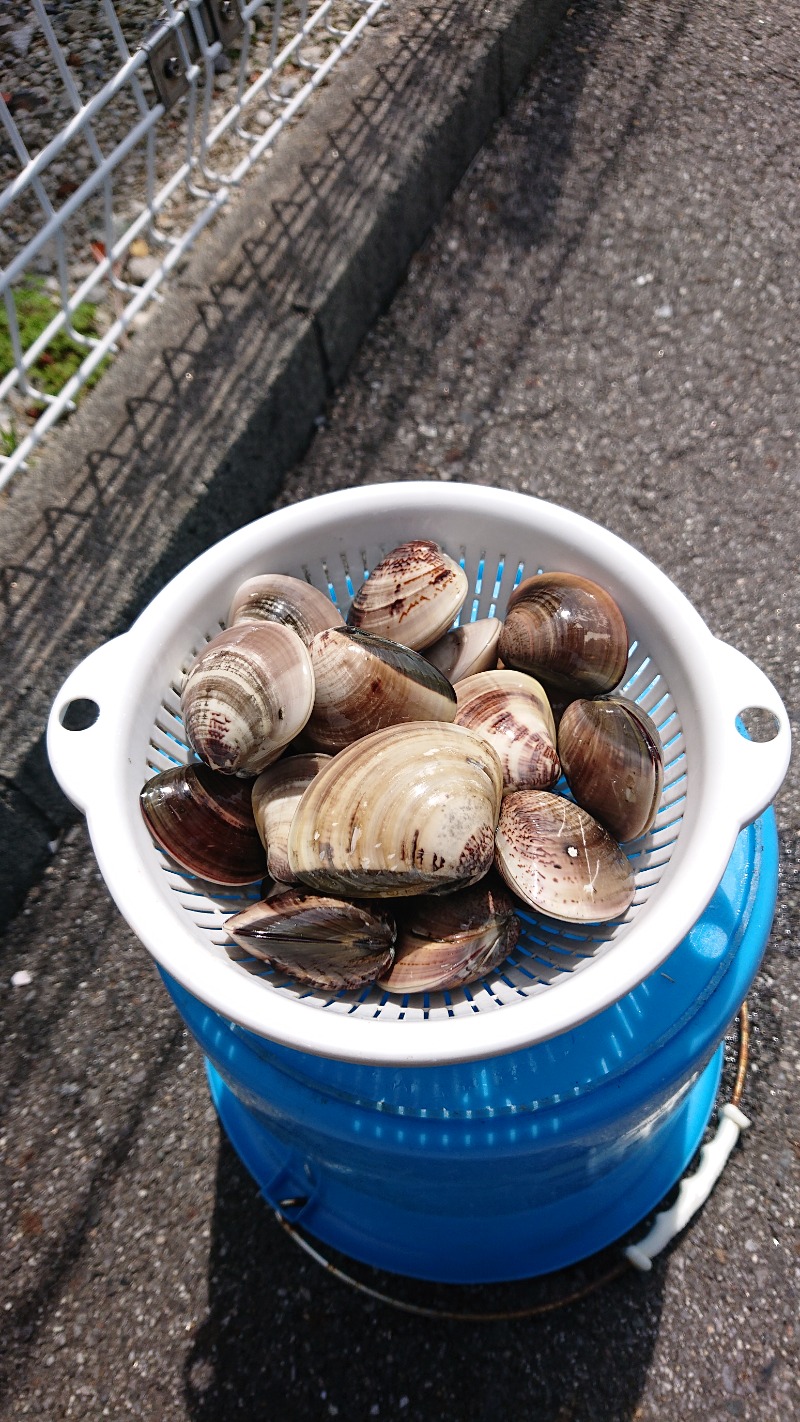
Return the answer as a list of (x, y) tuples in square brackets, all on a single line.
[(515, 1165)]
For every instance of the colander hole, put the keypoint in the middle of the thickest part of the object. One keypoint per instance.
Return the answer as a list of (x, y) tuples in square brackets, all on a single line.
[(756, 723), (80, 714)]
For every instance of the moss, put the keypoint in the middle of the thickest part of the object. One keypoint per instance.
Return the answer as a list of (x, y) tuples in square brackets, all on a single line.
[(62, 356)]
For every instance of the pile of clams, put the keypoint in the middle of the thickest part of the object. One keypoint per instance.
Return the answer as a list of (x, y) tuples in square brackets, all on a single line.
[(394, 780)]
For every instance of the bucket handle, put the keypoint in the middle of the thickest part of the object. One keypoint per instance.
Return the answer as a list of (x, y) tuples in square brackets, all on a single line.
[(755, 768), (83, 721)]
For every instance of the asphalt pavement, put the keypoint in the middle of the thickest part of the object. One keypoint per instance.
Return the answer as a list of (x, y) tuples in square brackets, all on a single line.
[(604, 315)]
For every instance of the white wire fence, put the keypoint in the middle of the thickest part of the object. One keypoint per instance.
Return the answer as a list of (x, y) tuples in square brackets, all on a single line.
[(120, 147)]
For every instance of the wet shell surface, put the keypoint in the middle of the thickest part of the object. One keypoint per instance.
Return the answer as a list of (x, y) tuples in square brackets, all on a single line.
[(466, 650), (246, 695), (568, 632), (412, 596), (406, 810), (326, 943), (274, 597), (560, 861), (450, 942), (204, 821), (363, 683), (611, 755), (511, 710), (276, 794)]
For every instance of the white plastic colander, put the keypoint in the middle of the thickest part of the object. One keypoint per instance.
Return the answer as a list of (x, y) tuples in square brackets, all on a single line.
[(691, 684)]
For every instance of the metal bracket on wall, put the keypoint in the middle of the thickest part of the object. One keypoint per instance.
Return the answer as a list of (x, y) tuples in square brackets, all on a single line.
[(220, 19)]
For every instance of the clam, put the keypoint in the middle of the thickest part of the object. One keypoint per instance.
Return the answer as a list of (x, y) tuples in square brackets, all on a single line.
[(204, 821), (273, 597), (276, 794), (323, 942), (467, 649), (406, 810), (363, 683), (611, 755), (412, 596), (444, 943), (567, 631), (558, 859), (510, 709), (246, 695)]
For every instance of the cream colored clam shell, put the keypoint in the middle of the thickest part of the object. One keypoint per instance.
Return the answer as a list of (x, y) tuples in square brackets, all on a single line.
[(276, 794), (275, 597), (468, 649), (558, 859), (511, 710), (412, 596), (406, 810)]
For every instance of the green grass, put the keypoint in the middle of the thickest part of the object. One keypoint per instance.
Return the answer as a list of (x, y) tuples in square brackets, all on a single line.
[(35, 310)]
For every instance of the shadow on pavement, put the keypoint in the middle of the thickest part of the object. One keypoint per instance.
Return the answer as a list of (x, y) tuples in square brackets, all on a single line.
[(285, 1338)]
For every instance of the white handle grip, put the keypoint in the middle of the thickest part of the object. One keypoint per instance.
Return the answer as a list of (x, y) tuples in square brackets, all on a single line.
[(755, 769), (694, 1190), (77, 757)]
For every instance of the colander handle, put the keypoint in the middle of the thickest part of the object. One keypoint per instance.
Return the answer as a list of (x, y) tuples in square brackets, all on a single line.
[(756, 768), (78, 756)]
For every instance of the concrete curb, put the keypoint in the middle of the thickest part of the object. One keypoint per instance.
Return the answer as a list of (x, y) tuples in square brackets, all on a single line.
[(196, 426)]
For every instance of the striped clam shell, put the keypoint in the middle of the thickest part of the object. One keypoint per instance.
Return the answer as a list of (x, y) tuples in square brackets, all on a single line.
[(246, 695), (274, 597), (468, 649), (276, 794), (611, 755), (323, 942), (449, 942), (567, 631), (407, 810), (511, 710), (363, 683), (412, 596), (560, 861), (205, 822)]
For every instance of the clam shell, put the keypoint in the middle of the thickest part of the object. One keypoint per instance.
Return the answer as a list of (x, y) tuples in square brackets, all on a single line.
[(466, 650), (406, 810), (412, 596), (558, 859), (450, 942), (567, 631), (204, 821), (511, 710), (323, 942), (276, 794), (611, 755), (363, 683), (274, 597), (246, 695)]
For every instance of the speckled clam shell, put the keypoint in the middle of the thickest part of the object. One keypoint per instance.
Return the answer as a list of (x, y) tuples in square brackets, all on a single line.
[(205, 822), (449, 942), (412, 596), (560, 861), (276, 794), (246, 695), (467, 649), (321, 942), (511, 711), (568, 632), (406, 810), (611, 755), (274, 597), (363, 683)]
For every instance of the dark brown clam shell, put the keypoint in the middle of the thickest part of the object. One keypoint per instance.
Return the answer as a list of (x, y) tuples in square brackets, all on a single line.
[(204, 820), (363, 683), (568, 632), (324, 942), (611, 755), (560, 861), (412, 596), (445, 943), (275, 597)]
